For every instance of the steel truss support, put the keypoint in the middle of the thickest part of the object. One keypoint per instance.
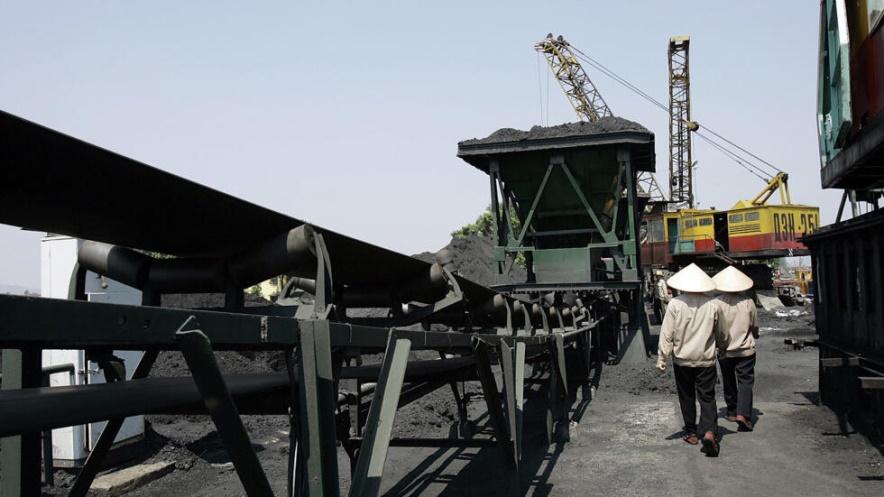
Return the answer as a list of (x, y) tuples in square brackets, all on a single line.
[(464, 429), (493, 401), (512, 362), (308, 346), (317, 398), (106, 440), (557, 422), (626, 261), (323, 304), (379, 424), (197, 351), (295, 482)]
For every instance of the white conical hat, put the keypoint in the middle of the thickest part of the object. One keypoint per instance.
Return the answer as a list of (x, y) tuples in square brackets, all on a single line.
[(731, 279), (691, 279)]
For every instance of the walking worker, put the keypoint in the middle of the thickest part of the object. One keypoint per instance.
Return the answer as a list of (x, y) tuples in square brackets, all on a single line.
[(739, 319), (689, 335)]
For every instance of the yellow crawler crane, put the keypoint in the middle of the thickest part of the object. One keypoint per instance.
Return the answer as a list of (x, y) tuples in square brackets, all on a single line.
[(751, 229)]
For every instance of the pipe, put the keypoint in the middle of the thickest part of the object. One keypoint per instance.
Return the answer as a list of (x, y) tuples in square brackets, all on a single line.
[(122, 264), (426, 287), (292, 252)]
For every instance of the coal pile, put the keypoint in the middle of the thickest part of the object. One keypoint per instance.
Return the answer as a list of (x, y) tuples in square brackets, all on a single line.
[(473, 258), (610, 124), (171, 363)]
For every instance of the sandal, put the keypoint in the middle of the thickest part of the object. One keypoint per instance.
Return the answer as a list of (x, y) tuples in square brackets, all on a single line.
[(710, 447), (691, 438), (744, 424)]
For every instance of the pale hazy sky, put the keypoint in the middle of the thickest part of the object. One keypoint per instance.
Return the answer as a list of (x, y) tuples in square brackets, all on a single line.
[(349, 115)]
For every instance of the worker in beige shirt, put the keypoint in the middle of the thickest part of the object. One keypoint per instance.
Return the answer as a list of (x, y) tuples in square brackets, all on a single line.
[(738, 318), (689, 337)]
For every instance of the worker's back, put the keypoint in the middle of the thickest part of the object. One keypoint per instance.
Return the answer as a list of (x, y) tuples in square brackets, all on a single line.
[(688, 330)]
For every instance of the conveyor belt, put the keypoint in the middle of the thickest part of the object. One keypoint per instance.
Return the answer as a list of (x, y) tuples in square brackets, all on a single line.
[(56, 183)]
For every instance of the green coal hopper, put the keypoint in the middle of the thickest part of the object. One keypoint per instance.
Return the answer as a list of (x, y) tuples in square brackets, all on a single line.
[(572, 189)]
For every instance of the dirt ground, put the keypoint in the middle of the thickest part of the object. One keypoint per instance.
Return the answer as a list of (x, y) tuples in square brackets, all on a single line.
[(624, 441)]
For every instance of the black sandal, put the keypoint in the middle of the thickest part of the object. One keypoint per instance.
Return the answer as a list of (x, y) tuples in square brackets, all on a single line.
[(744, 425), (710, 447)]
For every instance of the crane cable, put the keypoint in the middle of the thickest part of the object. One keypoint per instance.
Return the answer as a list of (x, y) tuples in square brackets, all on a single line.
[(733, 157), (540, 87), (747, 164)]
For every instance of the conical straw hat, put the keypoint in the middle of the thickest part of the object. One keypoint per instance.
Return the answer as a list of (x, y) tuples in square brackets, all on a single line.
[(691, 279), (731, 279)]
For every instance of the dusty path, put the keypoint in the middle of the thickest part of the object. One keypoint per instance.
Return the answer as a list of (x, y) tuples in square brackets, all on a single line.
[(627, 443)]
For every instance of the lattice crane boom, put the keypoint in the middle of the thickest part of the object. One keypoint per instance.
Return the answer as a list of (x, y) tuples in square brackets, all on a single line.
[(681, 187), (584, 97), (581, 92)]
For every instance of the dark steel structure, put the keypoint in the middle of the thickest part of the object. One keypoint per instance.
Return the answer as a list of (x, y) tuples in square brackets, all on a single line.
[(848, 256), (217, 243), (681, 165), (848, 269), (573, 191)]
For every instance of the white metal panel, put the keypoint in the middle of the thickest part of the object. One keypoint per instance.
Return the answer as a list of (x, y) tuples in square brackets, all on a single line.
[(58, 257)]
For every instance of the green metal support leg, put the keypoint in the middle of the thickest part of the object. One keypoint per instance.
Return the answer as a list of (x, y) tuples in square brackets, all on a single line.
[(20, 456), (294, 485), (379, 424), (558, 429), (201, 360), (317, 400), (493, 400), (512, 360)]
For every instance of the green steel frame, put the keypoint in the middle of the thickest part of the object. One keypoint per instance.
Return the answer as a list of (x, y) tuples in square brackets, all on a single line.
[(617, 230), (222, 244), (28, 325)]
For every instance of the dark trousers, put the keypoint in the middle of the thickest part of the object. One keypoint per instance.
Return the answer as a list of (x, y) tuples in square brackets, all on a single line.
[(697, 384), (738, 378)]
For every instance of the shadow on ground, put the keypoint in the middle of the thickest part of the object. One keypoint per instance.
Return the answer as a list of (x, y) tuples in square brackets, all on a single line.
[(481, 472)]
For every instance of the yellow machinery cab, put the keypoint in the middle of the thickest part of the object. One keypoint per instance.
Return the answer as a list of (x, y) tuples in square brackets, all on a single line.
[(769, 230), (690, 231)]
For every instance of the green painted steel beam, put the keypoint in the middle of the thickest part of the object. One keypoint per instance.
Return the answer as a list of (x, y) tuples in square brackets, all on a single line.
[(200, 358), (493, 401), (10, 447), (20, 455), (317, 399), (366, 480), (607, 235), (512, 361), (69, 324)]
